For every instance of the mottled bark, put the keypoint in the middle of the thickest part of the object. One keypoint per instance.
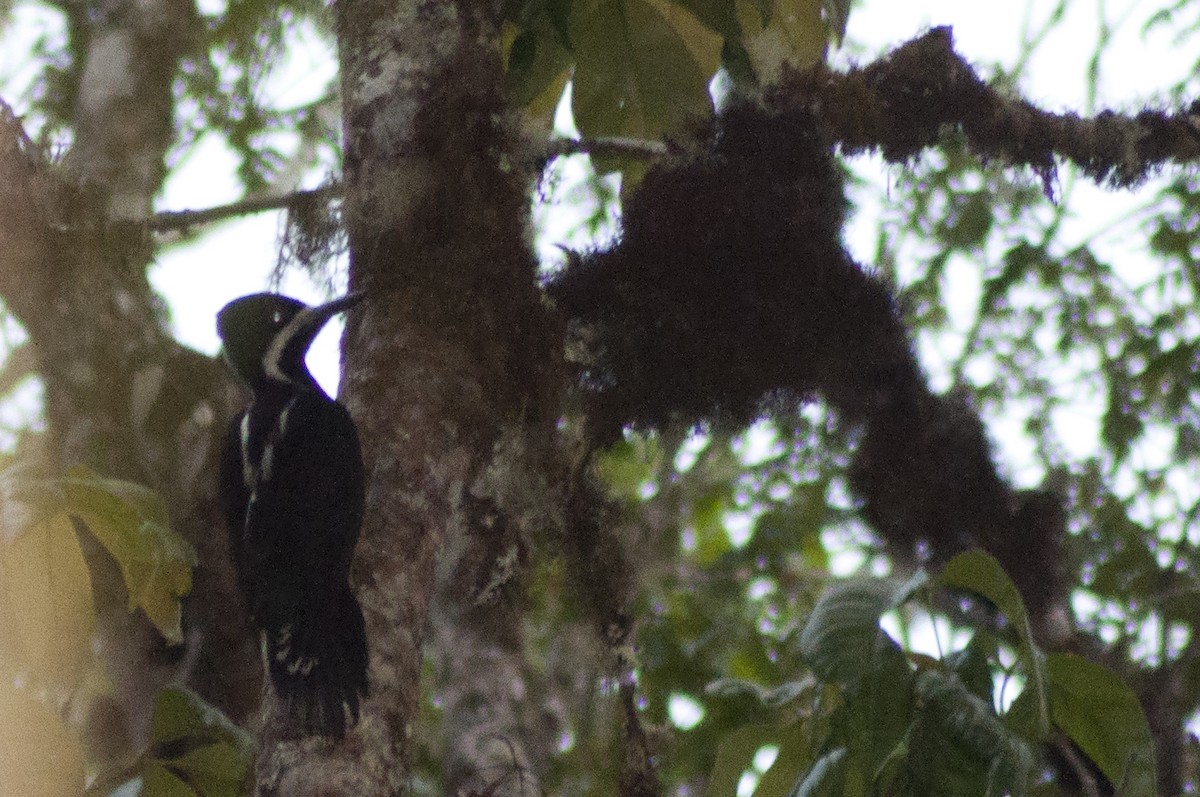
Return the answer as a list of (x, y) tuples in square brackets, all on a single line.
[(442, 356), (121, 396), (124, 109), (124, 399)]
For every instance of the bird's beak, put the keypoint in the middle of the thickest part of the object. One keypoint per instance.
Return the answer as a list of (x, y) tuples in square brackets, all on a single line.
[(326, 311), (305, 326)]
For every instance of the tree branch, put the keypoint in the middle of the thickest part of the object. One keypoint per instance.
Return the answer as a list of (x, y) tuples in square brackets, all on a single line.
[(604, 147), (178, 220), (181, 220), (900, 104), (1087, 781)]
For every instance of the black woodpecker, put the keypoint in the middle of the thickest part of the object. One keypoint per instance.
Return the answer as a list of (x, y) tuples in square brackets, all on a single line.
[(292, 488)]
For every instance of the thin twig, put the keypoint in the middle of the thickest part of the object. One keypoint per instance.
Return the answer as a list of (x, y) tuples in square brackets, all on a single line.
[(177, 220), (1087, 781), (605, 146)]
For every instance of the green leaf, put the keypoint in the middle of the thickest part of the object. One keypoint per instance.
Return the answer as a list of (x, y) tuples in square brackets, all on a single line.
[(784, 532), (708, 522), (734, 755), (46, 609), (842, 636), (628, 465), (39, 753), (972, 665), (718, 15), (776, 33), (215, 770), (158, 781), (794, 758), (130, 521), (1103, 716), (738, 689), (961, 746), (825, 778), (536, 73), (980, 573), (634, 75), (970, 222), (199, 746), (180, 713), (837, 13)]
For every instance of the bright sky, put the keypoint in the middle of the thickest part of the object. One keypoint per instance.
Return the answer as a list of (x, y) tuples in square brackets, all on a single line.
[(235, 258)]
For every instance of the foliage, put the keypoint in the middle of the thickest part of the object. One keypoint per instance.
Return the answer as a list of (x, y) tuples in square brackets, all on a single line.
[(738, 612), (895, 724), (195, 751), (54, 686), (641, 68)]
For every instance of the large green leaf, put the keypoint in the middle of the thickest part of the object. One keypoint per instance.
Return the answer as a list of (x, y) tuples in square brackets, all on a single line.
[(718, 15), (841, 639), (40, 756), (537, 68), (131, 522), (794, 759), (776, 33), (825, 778), (959, 746), (198, 747), (46, 611), (980, 573), (734, 755), (635, 74), (1103, 716)]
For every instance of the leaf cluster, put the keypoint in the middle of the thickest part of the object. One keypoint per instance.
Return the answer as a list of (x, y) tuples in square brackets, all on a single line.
[(63, 707), (893, 723), (641, 68)]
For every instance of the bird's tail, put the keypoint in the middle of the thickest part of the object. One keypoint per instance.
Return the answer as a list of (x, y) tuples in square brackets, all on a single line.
[(318, 664)]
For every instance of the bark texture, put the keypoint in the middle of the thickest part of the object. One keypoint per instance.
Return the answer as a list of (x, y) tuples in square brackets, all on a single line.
[(445, 360), (120, 395)]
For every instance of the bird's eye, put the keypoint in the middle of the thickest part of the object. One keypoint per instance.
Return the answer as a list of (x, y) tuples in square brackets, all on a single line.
[(276, 317)]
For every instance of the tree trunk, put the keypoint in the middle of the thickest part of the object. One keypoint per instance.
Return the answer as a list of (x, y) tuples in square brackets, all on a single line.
[(446, 361), (120, 395)]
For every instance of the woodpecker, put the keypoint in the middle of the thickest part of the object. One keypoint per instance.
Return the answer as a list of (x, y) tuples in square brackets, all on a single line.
[(292, 489)]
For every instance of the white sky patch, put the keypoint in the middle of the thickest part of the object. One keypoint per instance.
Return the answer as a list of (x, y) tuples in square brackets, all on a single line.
[(684, 711), (18, 71), (765, 756), (961, 287), (1177, 639), (1155, 448), (1077, 424), (760, 588), (1085, 604), (892, 625), (747, 783), (1147, 647), (690, 451), (739, 526), (307, 70), (567, 200), (211, 8), (845, 561), (759, 443), (1006, 689), (1015, 448), (932, 636)]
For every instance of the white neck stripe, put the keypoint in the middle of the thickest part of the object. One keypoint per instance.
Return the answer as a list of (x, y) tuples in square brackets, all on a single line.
[(271, 360)]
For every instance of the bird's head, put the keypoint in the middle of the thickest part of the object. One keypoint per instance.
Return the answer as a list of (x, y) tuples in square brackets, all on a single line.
[(265, 336)]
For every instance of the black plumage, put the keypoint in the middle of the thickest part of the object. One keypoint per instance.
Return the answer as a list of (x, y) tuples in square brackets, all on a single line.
[(292, 489)]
